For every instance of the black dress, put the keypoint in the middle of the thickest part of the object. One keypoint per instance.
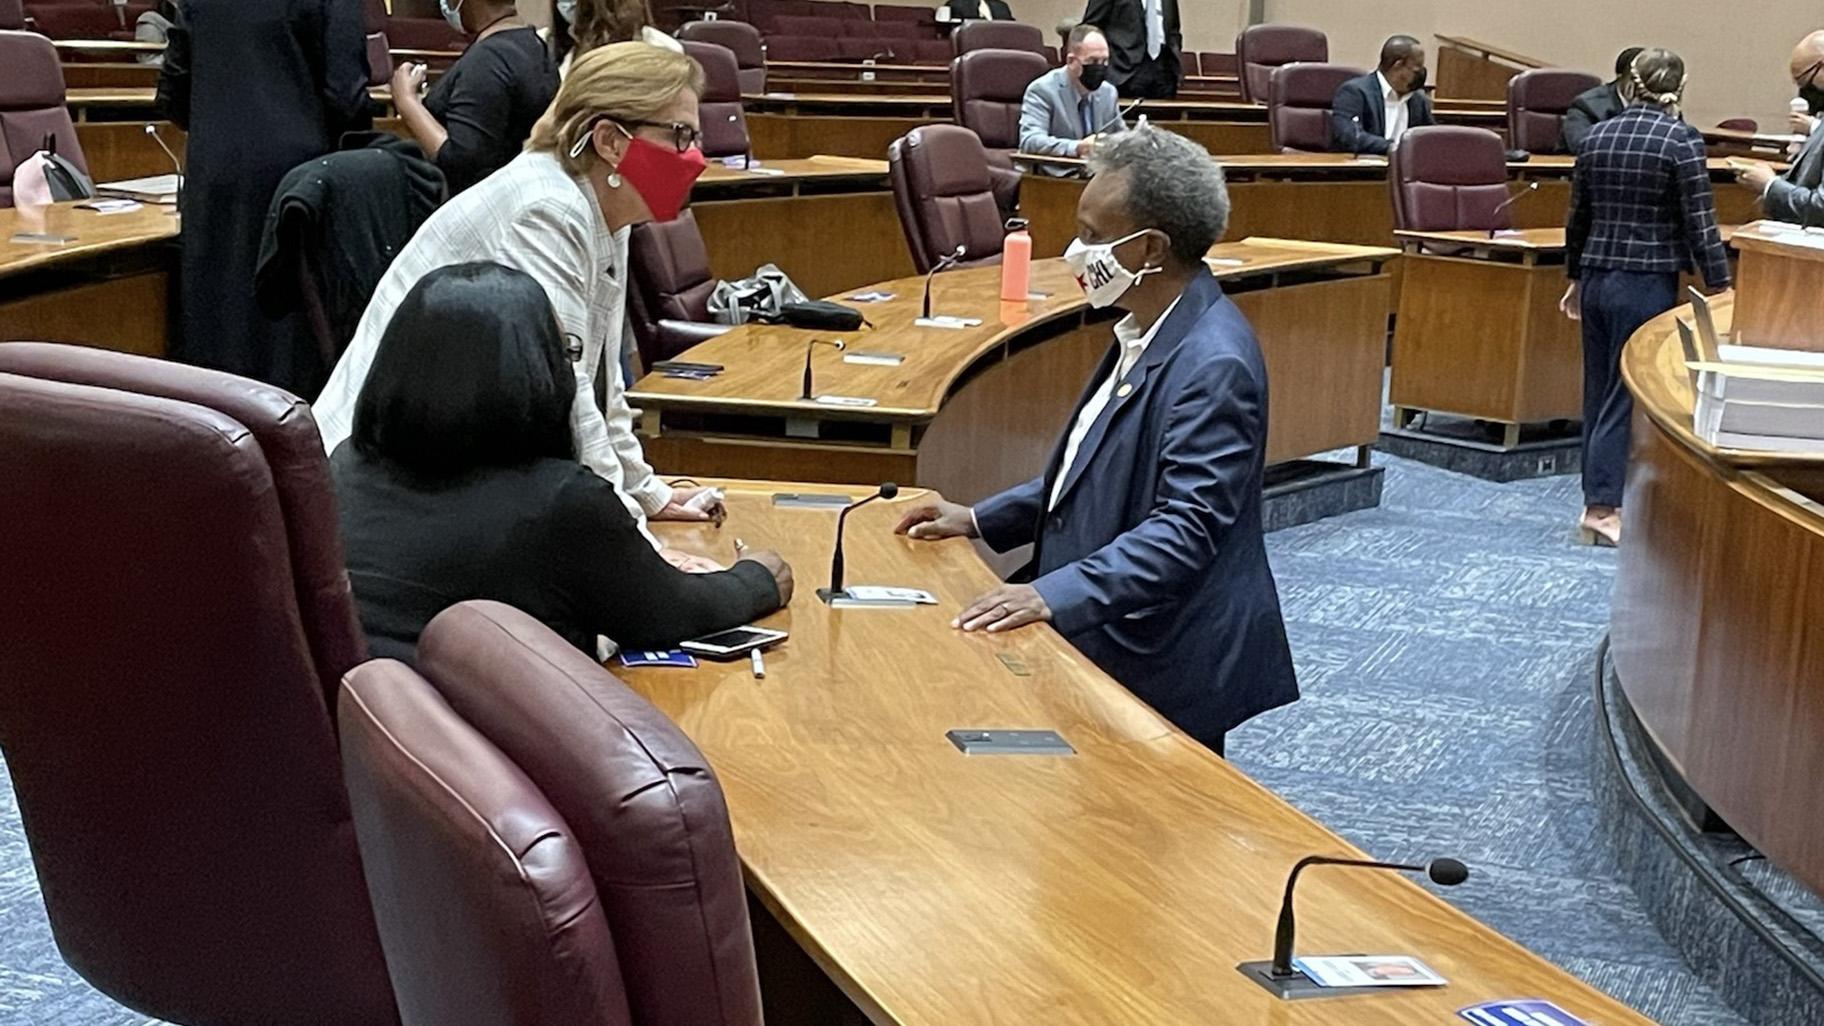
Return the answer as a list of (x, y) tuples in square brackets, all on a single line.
[(489, 101), (261, 88), (550, 538)]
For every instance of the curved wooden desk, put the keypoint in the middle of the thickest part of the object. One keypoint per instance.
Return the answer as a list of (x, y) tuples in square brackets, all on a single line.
[(107, 286), (1718, 623), (1120, 885), (975, 410)]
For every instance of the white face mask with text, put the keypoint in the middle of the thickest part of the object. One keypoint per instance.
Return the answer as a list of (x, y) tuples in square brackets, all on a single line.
[(1102, 276)]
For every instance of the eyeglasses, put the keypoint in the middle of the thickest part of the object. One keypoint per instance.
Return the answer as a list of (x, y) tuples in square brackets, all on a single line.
[(684, 137)]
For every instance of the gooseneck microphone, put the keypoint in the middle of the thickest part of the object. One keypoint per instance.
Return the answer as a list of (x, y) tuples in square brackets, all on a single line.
[(1120, 117), (176, 165), (809, 348), (1532, 186), (1444, 872), (835, 591), (943, 264)]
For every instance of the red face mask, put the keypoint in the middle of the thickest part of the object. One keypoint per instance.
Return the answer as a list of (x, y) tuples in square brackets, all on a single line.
[(661, 175)]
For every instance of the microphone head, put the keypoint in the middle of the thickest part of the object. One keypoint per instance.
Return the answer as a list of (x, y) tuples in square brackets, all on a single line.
[(151, 129), (889, 490), (1447, 872)]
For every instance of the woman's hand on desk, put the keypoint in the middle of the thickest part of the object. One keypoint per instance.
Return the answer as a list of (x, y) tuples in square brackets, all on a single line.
[(1005, 608), (682, 506), (934, 518)]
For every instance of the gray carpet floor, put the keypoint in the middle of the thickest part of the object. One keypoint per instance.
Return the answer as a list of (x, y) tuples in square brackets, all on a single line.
[(1445, 644)]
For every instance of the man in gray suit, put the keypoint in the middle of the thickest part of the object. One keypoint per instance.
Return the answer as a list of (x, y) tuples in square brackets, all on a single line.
[(1799, 196), (1066, 108)]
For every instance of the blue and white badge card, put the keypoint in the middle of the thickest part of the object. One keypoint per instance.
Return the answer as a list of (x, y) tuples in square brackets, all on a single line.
[(1527, 1012), (674, 657), (1368, 971)]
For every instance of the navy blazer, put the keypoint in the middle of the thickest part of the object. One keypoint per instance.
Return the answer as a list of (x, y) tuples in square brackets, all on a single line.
[(1153, 562), (1358, 116)]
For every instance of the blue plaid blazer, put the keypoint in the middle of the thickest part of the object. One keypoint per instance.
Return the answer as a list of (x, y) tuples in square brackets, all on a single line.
[(1641, 199)]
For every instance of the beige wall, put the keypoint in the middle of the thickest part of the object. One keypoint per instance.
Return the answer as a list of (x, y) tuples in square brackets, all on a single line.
[(1208, 24), (1736, 53)]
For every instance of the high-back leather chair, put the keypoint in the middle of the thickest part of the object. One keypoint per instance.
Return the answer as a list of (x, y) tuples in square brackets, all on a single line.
[(163, 679), (1537, 100), (379, 49), (668, 303), (1449, 178), (12, 15), (1261, 48), (998, 35), (31, 106), (483, 897), (642, 802), (719, 109), (988, 87), (742, 39), (943, 188), (1299, 99)]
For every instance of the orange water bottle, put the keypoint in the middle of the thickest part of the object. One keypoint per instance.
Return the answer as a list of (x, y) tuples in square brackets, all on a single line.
[(1016, 262)]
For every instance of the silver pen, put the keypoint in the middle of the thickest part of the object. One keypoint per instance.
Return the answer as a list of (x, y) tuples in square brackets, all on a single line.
[(759, 663)]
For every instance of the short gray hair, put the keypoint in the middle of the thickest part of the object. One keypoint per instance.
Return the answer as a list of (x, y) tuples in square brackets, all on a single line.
[(1173, 185)]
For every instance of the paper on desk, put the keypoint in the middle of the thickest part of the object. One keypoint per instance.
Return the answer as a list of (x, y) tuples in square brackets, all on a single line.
[(1368, 971)]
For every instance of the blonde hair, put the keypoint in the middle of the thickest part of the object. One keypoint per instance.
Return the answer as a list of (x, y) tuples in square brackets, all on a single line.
[(1657, 77), (621, 82), (602, 22)]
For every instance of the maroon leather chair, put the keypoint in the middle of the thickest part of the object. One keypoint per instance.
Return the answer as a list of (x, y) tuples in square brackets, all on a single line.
[(1537, 100), (425, 34), (379, 48), (1299, 98), (806, 25), (719, 109), (800, 48), (923, 18), (12, 16), (75, 19), (998, 35), (938, 52), (1740, 124), (174, 760), (481, 891), (858, 49), (668, 305), (643, 803), (988, 87), (1449, 178), (944, 190), (1261, 48), (31, 106), (742, 39)]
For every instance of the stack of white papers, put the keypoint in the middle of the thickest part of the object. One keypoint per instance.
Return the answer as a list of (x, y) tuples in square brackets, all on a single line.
[(1758, 398), (156, 189)]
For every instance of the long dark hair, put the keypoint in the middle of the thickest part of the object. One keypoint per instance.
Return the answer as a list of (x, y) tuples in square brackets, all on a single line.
[(472, 372)]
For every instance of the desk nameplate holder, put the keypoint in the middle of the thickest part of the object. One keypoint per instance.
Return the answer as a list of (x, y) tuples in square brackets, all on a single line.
[(867, 359), (812, 500), (949, 323), (1298, 986), (1010, 742)]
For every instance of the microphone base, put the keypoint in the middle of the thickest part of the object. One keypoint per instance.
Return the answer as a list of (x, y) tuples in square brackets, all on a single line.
[(1298, 986), (844, 600)]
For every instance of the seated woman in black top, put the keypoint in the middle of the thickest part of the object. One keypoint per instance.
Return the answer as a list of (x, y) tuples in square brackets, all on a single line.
[(461, 482), (479, 114)]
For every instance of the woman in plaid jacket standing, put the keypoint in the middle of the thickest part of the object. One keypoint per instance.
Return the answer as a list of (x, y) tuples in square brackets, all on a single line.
[(1641, 211)]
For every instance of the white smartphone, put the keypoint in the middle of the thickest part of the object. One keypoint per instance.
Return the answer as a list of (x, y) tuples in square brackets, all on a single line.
[(733, 644)]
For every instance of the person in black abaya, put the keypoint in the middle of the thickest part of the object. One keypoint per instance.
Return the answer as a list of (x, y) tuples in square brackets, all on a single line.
[(261, 88)]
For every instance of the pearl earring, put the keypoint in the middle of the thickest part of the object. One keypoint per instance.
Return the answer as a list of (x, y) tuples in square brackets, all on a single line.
[(614, 180)]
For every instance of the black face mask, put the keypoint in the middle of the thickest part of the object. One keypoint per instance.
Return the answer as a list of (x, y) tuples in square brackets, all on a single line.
[(1418, 81), (1094, 75), (1811, 92)]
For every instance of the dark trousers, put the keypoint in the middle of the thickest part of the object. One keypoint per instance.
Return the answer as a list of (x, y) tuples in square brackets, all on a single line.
[(1155, 79), (1614, 304)]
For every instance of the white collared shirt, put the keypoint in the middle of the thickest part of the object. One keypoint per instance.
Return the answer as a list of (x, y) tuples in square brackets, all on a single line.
[(1133, 346), (1394, 107)]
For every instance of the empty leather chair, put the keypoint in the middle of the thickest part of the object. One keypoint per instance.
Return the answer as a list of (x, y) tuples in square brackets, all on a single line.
[(1261, 48), (800, 48), (924, 18), (1740, 124), (379, 49), (938, 52), (807, 25), (1449, 178), (719, 109), (944, 190), (742, 39), (998, 35), (668, 303), (860, 49), (12, 15), (481, 890), (173, 758), (1537, 100), (988, 87), (80, 19), (642, 802), (32, 106), (1299, 98)]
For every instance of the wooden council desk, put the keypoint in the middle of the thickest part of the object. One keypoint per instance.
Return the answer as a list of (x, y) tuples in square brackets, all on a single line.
[(976, 410), (109, 285), (1717, 630), (1119, 885)]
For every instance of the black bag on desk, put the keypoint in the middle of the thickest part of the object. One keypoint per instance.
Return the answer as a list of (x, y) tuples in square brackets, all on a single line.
[(66, 180), (821, 315)]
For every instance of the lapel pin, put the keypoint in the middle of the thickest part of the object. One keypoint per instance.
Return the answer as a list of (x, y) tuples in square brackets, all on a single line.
[(1124, 391)]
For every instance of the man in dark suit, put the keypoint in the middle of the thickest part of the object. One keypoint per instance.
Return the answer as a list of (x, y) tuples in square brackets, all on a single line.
[(1145, 42), (1370, 113), (1146, 523), (1797, 196), (1597, 104), (983, 10)]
